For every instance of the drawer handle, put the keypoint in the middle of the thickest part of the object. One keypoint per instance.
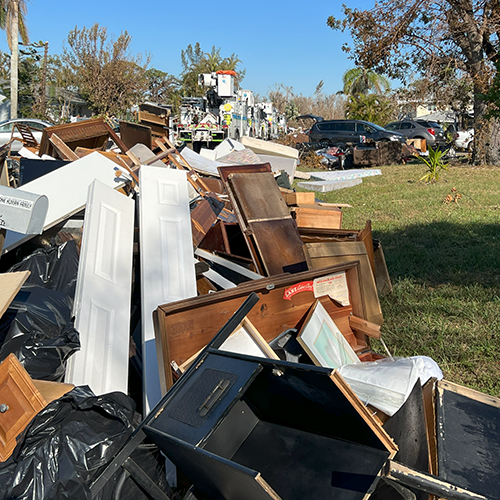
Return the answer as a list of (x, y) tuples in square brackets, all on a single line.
[(213, 397), (3, 408)]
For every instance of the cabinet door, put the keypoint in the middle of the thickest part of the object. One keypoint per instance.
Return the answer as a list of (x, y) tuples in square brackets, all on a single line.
[(19, 403)]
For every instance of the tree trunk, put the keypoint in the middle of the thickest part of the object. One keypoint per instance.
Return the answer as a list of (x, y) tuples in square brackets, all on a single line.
[(494, 144), (14, 61)]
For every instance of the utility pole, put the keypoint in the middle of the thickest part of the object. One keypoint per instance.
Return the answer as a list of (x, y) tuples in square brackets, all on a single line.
[(14, 60)]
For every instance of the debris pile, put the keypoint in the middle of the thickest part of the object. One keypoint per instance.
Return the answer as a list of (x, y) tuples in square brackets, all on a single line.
[(162, 303)]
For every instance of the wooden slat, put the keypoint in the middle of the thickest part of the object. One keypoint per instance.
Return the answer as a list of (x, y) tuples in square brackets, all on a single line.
[(64, 151)]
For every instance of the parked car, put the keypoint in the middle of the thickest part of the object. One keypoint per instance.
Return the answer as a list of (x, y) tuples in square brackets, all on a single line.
[(34, 124), (338, 131), (432, 132), (464, 139)]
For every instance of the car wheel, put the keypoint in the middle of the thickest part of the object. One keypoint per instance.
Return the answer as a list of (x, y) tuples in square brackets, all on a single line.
[(470, 147), (326, 142)]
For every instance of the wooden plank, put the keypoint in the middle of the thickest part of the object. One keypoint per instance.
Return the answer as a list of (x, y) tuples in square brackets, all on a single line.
[(365, 327), (202, 218), (430, 484), (428, 395), (185, 327), (321, 255), (314, 216), (103, 291), (64, 152), (23, 402), (300, 198), (51, 391), (382, 277), (167, 264), (10, 284)]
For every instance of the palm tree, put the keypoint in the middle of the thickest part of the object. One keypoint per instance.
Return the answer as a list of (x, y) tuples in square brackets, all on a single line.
[(360, 81), (12, 20)]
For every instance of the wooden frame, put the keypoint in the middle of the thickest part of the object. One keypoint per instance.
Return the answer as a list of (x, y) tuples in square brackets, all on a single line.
[(323, 341), (185, 327)]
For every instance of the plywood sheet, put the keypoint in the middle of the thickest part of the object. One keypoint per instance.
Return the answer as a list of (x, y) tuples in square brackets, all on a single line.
[(102, 301), (10, 284)]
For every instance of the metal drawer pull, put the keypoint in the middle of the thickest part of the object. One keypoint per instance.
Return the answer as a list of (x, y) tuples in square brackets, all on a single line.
[(213, 397)]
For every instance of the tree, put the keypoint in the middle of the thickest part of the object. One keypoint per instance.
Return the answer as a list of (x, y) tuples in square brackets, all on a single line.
[(370, 107), (443, 40), (195, 62), (108, 77), (362, 81), (12, 20)]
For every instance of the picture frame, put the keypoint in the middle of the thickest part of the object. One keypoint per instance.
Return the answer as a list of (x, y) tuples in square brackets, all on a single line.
[(323, 341), (245, 339)]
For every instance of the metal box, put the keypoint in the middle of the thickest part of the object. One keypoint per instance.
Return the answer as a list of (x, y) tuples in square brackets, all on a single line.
[(246, 428), (21, 211), (225, 85)]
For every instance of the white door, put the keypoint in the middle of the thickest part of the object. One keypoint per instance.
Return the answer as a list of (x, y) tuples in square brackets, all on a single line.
[(167, 264), (102, 301)]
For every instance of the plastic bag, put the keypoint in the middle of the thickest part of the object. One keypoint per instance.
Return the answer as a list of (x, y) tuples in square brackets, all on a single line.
[(67, 445), (387, 383), (38, 328), (55, 268)]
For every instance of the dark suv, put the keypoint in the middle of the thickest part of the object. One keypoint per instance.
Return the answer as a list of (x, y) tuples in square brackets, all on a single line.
[(420, 129), (336, 131)]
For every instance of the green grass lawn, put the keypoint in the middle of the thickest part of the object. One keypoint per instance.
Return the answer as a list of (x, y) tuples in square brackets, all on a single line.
[(444, 261)]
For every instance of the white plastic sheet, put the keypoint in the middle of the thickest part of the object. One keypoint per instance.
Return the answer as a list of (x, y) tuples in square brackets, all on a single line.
[(387, 383)]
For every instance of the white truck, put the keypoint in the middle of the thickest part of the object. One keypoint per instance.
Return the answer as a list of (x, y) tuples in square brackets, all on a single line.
[(225, 113)]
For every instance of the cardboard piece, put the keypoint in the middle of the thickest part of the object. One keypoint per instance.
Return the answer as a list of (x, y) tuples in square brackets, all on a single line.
[(10, 284)]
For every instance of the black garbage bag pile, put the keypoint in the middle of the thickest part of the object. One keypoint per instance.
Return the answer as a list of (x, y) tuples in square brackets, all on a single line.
[(54, 268), (66, 446), (38, 326)]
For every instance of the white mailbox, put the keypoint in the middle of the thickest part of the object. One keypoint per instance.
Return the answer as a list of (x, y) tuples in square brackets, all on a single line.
[(21, 211)]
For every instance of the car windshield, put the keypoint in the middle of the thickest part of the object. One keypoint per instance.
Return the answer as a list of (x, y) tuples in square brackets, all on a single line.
[(392, 126)]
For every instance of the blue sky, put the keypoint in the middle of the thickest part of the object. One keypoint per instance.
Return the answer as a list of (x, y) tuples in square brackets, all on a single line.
[(278, 42)]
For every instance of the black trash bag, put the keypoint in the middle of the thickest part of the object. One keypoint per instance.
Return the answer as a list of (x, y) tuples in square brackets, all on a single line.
[(67, 445), (38, 328), (55, 268)]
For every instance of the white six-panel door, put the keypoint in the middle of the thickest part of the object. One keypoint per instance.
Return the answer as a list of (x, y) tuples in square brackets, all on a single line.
[(167, 264)]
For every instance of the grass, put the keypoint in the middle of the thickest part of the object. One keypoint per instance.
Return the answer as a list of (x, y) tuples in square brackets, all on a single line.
[(444, 262)]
